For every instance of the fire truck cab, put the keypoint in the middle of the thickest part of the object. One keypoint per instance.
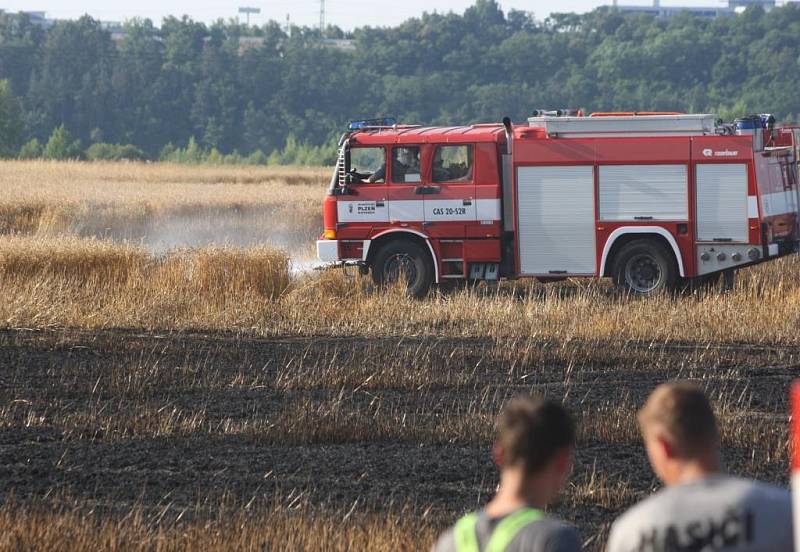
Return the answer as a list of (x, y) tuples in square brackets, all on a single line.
[(651, 200)]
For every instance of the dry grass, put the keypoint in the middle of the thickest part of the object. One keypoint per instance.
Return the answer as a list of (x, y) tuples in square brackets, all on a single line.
[(38, 179), (762, 309), (80, 283), (160, 207), (289, 525), (600, 489), (163, 206), (68, 280)]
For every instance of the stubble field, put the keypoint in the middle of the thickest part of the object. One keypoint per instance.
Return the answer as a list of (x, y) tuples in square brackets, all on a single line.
[(172, 374)]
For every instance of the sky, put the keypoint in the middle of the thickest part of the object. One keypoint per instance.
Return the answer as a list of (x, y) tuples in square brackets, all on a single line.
[(346, 14)]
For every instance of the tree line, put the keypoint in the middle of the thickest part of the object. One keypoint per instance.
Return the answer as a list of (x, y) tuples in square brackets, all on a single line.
[(186, 91)]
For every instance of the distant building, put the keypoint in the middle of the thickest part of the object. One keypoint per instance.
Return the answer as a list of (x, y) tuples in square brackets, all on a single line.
[(247, 43), (38, 18), (657, 10), (766, 4), (115, 29), (344, 44)]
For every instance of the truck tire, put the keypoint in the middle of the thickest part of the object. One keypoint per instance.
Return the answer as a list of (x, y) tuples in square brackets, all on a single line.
[(645, 267), (404, 259)]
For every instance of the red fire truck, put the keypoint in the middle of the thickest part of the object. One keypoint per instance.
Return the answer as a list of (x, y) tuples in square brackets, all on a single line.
[(651, 200)]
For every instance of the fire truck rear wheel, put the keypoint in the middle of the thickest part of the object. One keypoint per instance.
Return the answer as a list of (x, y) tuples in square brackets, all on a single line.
[(645, 267), (404, 259)]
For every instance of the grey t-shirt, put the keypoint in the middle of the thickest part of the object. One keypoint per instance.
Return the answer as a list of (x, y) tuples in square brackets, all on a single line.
[(715, 514), (544, 535)]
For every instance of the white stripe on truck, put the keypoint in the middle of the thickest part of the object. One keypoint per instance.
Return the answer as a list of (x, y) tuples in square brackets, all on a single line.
[(418, 210)]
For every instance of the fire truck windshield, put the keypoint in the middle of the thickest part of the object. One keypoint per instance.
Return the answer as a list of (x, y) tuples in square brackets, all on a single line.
[(368, 164)]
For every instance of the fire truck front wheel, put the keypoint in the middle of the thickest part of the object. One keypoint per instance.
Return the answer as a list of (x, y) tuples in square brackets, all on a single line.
[(403, 260), (645, 267)]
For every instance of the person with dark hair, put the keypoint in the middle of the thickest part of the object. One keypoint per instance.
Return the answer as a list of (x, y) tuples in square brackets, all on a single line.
[(701, 509), (535, 441)]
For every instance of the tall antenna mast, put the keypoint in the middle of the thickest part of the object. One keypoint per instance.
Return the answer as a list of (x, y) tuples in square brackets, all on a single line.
[(322, 18), (248, 11)]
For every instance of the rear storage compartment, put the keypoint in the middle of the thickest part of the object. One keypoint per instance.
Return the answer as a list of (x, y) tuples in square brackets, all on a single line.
[(723, 213), (776, 170)]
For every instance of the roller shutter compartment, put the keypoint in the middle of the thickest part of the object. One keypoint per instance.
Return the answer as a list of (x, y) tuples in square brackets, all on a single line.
[(555, 213)]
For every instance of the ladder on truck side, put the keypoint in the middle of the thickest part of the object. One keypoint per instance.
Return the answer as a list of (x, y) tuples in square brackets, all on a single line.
[(626, 125), (341, 170)]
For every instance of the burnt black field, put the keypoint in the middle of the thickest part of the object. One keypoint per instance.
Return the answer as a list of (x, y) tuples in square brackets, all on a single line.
[(121, 418)]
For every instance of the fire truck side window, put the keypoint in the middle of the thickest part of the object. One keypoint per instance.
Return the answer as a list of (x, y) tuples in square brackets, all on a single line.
[(368, 164), (405, 164), (452, 164)]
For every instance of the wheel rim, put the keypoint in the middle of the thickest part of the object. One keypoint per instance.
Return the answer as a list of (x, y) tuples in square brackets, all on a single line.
[(400, 266), (642, 273)]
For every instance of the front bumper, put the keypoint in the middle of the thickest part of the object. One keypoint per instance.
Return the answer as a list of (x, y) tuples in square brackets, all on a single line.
[(328, 251), (346, 251)]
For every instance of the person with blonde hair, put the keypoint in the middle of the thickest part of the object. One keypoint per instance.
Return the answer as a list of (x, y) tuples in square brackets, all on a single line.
[(701, 508)]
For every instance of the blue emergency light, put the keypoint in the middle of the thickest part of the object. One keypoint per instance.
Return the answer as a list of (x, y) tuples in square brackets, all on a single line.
[(372, 123)]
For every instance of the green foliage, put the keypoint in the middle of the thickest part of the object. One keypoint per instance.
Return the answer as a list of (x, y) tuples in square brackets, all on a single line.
[(293, 153), (61, 146), (10, 120), (191, 154), (292, 95), (256, 158), (31, 150), (296, 153), (114, 152), (167, 152), (214, 157)]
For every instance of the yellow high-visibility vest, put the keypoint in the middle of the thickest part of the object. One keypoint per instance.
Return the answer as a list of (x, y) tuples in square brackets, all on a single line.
[(466, 536)]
